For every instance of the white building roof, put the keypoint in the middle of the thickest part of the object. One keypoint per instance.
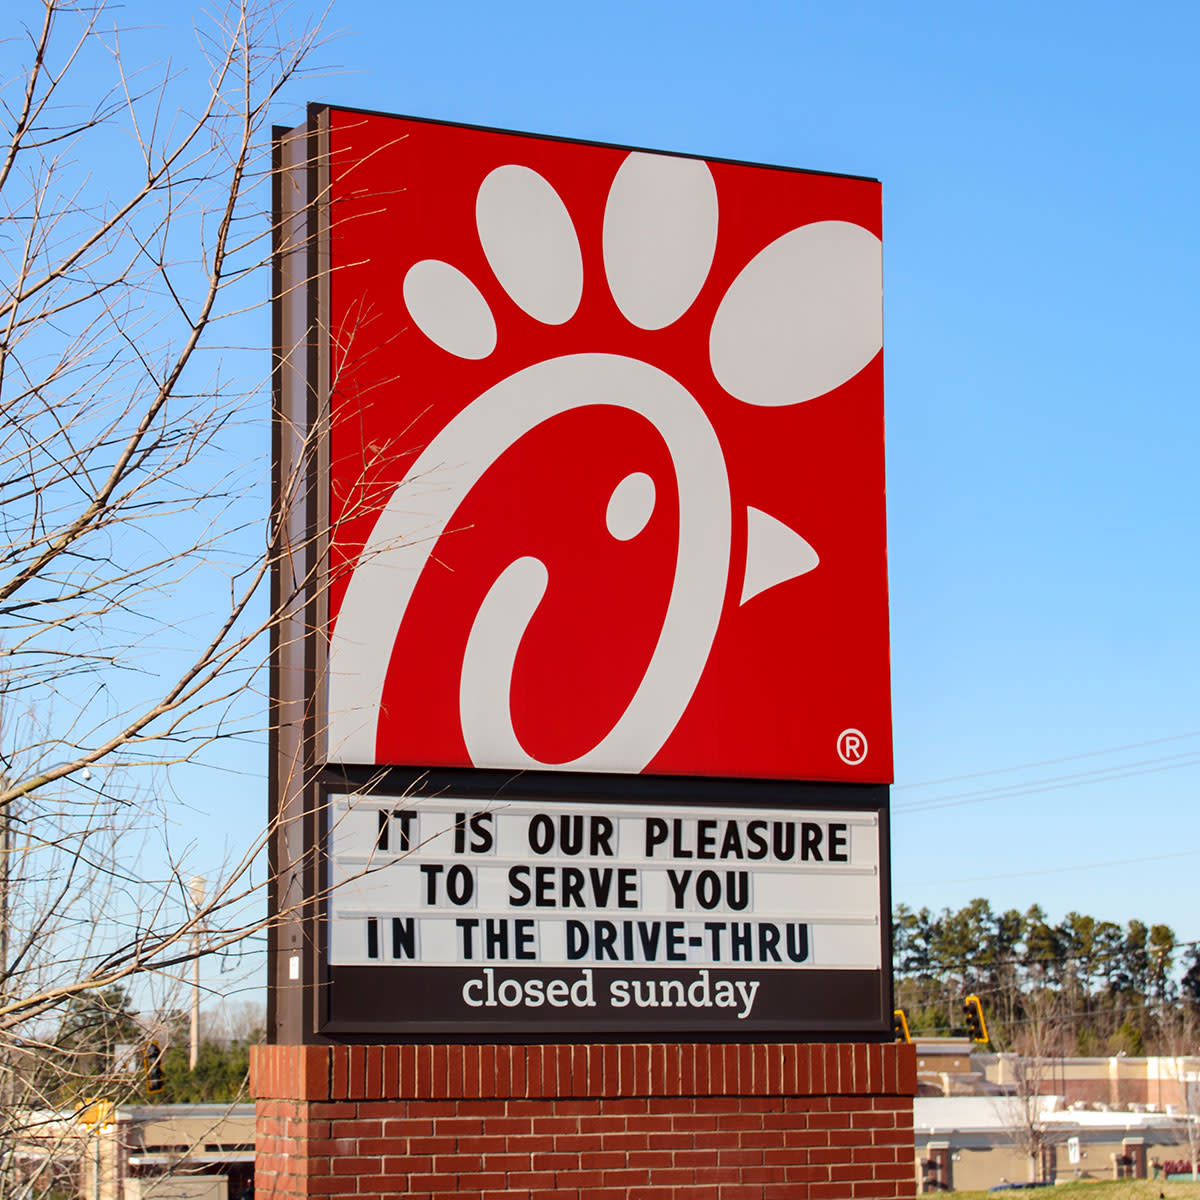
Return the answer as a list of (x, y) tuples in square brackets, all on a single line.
[(934, 1115)]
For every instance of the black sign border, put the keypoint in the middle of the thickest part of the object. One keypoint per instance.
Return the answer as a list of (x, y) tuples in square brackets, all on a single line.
[(366, 1003)]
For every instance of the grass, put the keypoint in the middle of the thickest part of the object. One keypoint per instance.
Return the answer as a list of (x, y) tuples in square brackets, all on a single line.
[(1112, 1189)]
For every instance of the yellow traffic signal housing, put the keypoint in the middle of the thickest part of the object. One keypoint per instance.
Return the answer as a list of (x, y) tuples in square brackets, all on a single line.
[(97, 1112), (900, 1026), (976, 1025), (152, 1068)]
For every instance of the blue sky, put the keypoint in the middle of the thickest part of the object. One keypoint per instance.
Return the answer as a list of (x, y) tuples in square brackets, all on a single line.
[(1040, 248), (1040, 254)]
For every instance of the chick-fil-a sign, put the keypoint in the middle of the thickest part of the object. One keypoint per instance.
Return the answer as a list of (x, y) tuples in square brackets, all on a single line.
[(606, 460)]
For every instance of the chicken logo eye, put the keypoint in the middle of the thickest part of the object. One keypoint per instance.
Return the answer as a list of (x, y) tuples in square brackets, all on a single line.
[(800, 318)]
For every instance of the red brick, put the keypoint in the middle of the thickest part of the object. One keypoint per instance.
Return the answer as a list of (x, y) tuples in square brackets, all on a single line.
[(549, 1126), (458, 1163), (602, 1160), (845, 1069), (608, 1123), (383, 1185), (358, 1072), (520, 1075), (642, 1069), (550, 1081), (650, 1123), (674, 1141), (740, 1120), (432, 1145), (406, 1071), (579, 1077), (434, 1183), (729, 1057), (699, 1122), (625, 1141), (373, 1085), (531, 1070), (611, 1077), (875, 1068), (624, 1070)]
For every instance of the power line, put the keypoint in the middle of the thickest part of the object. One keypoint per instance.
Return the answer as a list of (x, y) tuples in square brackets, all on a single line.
[(1049, 762), (1052, 783)]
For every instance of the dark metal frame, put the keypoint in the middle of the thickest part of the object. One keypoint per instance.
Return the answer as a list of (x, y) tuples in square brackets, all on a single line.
[(303, 1009)]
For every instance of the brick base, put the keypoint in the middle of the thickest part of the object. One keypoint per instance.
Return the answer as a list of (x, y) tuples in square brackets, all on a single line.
[(621, 1122)]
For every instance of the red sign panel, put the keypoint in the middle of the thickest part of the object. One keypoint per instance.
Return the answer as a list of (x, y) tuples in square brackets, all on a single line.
[(606, 460)]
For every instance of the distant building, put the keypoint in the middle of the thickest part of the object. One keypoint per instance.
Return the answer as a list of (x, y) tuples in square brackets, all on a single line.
[(1101, 1117), (151, 1152), (968, 1142)]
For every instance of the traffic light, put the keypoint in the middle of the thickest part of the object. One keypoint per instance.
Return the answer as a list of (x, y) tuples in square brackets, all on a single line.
[(152, 1068), (976, 1026), (900, 1026)]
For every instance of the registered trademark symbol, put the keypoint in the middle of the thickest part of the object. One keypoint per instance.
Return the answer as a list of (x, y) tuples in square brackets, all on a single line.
[(852, 746)]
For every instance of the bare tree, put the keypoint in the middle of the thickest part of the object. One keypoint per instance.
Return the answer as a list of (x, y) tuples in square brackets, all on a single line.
[(135, 543), (1035, 1044), (1179, 1034)]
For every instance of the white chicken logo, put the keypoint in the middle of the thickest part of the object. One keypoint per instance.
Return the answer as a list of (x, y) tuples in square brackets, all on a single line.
[(801, 318)]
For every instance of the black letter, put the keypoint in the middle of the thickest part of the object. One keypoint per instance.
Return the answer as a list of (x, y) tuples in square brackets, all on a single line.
[(754, 835), (678, 886), (577, 939), (431, 871), (460, 884), (708, 889), (656, 834), (571, 834), (731, 843), (519, 896), (810, 847), (797, 946), (837, 844), (768, 942), (468, 926), (602, 831), (783, 836), (524, 939), (481, 827), (541, 833), (572, 887), (675, 948), (404, 941), (601, 878)]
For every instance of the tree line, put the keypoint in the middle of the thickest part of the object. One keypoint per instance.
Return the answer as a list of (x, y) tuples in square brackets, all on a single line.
[(104, 1047), (1079, 986)]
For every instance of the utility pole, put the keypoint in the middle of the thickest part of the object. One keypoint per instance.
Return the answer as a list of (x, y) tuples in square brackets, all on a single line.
[(6, 1090), (196, 891), (5, 827)]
